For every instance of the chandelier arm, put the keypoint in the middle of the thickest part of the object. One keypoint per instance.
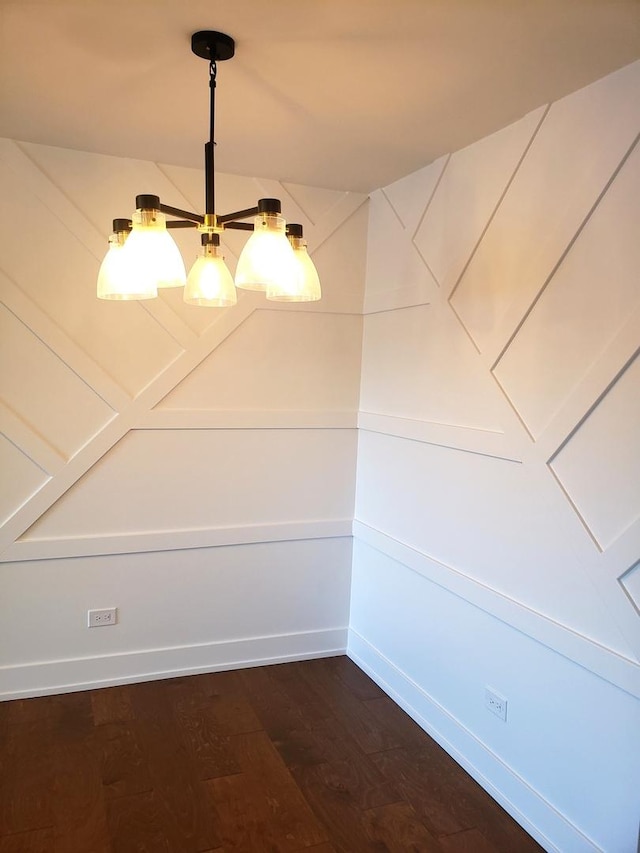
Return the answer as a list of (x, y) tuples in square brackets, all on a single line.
[(238, 214), (238, 226), (196, 218), (180, 223)]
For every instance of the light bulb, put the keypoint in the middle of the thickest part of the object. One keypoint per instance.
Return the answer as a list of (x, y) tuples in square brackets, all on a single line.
[(152, 257), (306, 287), (209, 282), (267, 258), (114, 279)]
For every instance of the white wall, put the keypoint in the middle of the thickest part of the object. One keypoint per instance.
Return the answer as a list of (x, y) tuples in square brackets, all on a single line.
[(497, 531), (196, 469), (193, 467)]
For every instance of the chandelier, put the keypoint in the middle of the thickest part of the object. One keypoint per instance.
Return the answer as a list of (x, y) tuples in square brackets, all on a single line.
[(143, 256)]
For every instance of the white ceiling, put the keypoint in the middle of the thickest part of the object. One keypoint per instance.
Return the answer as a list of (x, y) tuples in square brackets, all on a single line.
[(350, 94)]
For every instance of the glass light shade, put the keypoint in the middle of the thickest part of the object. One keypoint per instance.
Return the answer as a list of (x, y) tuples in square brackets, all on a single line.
[(306, 287), (152, 257), (115, 280), (267, 259), (209, 282)]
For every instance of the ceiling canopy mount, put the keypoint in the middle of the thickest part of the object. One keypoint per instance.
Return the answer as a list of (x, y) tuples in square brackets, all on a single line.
[(214, 46)]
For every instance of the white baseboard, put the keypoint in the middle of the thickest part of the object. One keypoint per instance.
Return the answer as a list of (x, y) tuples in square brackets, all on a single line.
[(534, 813), (22, 681)]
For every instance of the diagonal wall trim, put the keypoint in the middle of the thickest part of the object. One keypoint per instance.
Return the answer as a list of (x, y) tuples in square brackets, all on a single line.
[(127, 419), (56, 200), (15, 156), (318, 233), (602, 378), (490, 220), (618, 670), (426, 207), (506, 330), (626, 582), (396, 300), (453, 436), (55, 339), (47, 457), (175, 540)]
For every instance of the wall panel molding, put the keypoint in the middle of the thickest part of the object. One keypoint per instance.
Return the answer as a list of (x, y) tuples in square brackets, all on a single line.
[(174, 540), (31, 443), (247, 419), (453, 436), (618, 670), (524, 803), (67, 350), (118, 427), (74, 189), (87, 673)]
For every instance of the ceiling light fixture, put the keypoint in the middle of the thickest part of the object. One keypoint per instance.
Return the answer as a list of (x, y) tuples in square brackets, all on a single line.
[(143, 256)]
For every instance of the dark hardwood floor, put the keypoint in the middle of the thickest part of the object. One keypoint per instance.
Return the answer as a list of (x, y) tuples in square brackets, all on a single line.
[(306, 756)]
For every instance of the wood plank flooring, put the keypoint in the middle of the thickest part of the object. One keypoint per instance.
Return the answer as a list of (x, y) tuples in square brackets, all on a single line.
[(308, 756)]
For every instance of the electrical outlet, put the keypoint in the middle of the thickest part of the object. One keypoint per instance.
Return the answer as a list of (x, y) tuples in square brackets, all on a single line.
[(101, 618), (496, 703)]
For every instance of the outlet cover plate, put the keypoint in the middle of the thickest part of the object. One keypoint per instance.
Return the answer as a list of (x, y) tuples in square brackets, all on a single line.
[(102, 618), (496, 703)]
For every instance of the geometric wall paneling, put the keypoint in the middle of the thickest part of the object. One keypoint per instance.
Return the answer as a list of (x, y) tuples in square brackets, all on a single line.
[(52, 336), (32, 444), (397, 276), (316, 231), (474, 179), (129, 345), (127, 418), (43, 391), (530, 231), (208, 479), (610, 661), (21, 476), (586, 304), (411, 195), (386, 234), (316, 203), (599, 466), (101, 186), (434, 658), (278, 360), (499, 459), (610, 573), (499, 524), (338, 248), (630, 582), (132, 355), (419, 363), (36, 168), (499, 445)]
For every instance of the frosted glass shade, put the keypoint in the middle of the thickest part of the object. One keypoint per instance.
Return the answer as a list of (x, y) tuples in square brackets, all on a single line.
[(115, 280), (209, 282), (306, 287), (152, 257), (267, 259)]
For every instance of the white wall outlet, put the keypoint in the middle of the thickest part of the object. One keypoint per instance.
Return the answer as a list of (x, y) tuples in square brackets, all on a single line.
[(101, 618), (496, 703)]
